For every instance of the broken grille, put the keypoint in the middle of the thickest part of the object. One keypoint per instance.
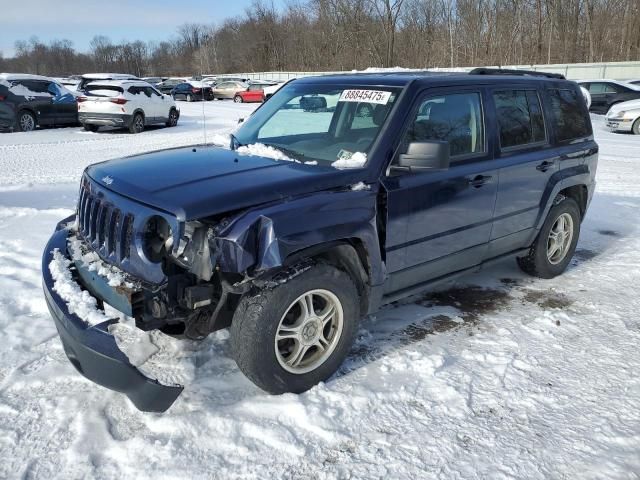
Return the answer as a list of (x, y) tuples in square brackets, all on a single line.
[(104, 226)]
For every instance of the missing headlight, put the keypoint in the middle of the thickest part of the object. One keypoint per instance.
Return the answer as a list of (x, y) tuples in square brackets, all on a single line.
[(157, 239)]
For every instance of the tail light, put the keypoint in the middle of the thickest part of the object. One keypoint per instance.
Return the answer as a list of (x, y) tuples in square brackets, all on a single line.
[(2, 97), (81, 99), (195, 90), (118, 101)]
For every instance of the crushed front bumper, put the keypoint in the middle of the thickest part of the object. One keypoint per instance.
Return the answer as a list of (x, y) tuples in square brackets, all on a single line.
[(93, 350)]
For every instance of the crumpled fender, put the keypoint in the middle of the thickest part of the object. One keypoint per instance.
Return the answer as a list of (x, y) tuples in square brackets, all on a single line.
[(261, 239)]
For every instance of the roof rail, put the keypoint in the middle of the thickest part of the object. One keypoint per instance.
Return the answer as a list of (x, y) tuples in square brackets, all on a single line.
[(506, 71)]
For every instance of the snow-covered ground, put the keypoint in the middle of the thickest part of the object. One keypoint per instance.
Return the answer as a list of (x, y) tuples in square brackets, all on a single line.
[(497, 376)]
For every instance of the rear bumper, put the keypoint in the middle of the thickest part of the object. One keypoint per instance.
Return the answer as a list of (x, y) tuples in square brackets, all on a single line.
[(106, 119), (93, 350)]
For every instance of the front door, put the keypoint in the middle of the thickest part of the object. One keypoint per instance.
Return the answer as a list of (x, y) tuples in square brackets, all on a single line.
[(440, 222)]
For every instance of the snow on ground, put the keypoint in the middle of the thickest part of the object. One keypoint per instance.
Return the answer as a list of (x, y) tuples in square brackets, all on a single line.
[(497, 376)]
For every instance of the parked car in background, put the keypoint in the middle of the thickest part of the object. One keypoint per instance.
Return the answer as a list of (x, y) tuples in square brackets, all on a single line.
[(92, 77), (233, 79), (253, 93), (605, 93), (635, 81), (154, 80), (169, 84), (71, 82), (192, 91), (270, 90), (624, 117), (30, 101), (131, 104), (226, 89)]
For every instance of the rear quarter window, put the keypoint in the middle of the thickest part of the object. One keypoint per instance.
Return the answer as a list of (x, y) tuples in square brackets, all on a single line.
[(569, 115)]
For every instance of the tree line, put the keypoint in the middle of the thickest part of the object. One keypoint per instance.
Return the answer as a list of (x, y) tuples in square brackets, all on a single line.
[(317, 35)]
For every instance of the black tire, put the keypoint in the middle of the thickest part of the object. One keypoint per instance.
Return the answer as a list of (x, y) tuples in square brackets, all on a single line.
[(26, 121), (635, 128), (537, 263), (90, 128), (257, 319), (137, 124), (172, 121), (238, 99), (189, 97)]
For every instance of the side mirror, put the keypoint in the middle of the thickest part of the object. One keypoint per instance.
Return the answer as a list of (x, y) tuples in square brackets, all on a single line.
[(431, 155)]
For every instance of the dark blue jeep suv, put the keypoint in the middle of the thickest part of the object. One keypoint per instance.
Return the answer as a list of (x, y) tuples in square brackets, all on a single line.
[(312, 218)]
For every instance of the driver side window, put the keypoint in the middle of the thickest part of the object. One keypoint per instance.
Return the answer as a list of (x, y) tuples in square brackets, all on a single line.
[(454, 118)]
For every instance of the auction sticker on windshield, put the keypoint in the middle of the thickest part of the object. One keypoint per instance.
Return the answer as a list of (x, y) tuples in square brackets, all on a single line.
[(369, 96)]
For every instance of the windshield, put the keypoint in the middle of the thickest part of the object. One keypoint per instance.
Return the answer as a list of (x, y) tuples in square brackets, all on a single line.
[(323, 124)]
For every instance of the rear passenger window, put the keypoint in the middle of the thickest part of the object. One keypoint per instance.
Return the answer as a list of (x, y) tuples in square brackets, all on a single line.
[(455, 118), (569, 115), (520, 117)]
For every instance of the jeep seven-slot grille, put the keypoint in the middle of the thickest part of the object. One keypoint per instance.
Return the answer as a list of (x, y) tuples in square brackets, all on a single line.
[(104, 226)]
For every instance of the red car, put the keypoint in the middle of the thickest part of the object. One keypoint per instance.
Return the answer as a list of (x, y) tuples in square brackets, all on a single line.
[(254, 93)]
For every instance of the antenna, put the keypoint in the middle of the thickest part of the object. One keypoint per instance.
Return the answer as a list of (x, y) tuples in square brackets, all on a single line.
[(204, 117)]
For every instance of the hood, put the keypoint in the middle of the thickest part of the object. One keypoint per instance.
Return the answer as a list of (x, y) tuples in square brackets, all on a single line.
[(624, 106), (193, 183)]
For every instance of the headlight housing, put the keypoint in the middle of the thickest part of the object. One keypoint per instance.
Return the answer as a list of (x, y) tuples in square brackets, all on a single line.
[(618, 115), (157, 239)]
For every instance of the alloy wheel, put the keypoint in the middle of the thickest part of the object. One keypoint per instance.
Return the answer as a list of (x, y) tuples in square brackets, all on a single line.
[(309, 331), (559, 240)]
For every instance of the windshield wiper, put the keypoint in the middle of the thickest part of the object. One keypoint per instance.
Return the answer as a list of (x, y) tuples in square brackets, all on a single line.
[(285, 150), (235, 143)]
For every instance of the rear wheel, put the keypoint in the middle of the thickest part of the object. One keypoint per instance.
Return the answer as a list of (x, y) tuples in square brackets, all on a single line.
[(26, 121), (238, 99), (636, 127), (90, 128), (137, 124), (292, 336), (554, 246), (173, 118)]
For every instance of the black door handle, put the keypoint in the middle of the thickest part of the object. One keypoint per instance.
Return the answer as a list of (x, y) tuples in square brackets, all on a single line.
[(546, 165), (479, 180)]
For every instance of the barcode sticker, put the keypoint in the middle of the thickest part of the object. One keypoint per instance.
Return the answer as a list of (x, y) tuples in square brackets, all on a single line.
[(369, 96)]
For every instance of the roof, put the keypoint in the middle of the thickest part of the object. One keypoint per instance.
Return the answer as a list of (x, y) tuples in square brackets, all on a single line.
[(22, 76), (404, 78), (120, 83), (114, 76)]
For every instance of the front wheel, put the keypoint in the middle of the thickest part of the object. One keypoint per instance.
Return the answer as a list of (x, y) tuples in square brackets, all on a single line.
[(553, 248), (189, 98), (237, 99), (636, 127), (290, 337)]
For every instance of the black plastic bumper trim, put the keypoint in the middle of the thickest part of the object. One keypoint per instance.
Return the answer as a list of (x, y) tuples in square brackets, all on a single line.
[(93, 350)]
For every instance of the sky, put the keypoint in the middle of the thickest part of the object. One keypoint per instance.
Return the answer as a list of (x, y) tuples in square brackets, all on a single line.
[(80, 20)]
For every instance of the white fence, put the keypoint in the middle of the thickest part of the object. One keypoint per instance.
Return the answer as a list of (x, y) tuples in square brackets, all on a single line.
[(573, 71)]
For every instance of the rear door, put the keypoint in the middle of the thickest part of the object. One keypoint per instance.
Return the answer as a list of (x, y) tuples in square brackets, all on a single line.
[(526, 161), (598, 91), (440, 222), (39, 99)]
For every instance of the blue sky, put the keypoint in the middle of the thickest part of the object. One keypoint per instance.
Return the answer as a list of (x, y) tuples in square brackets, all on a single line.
[(80, 20)]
